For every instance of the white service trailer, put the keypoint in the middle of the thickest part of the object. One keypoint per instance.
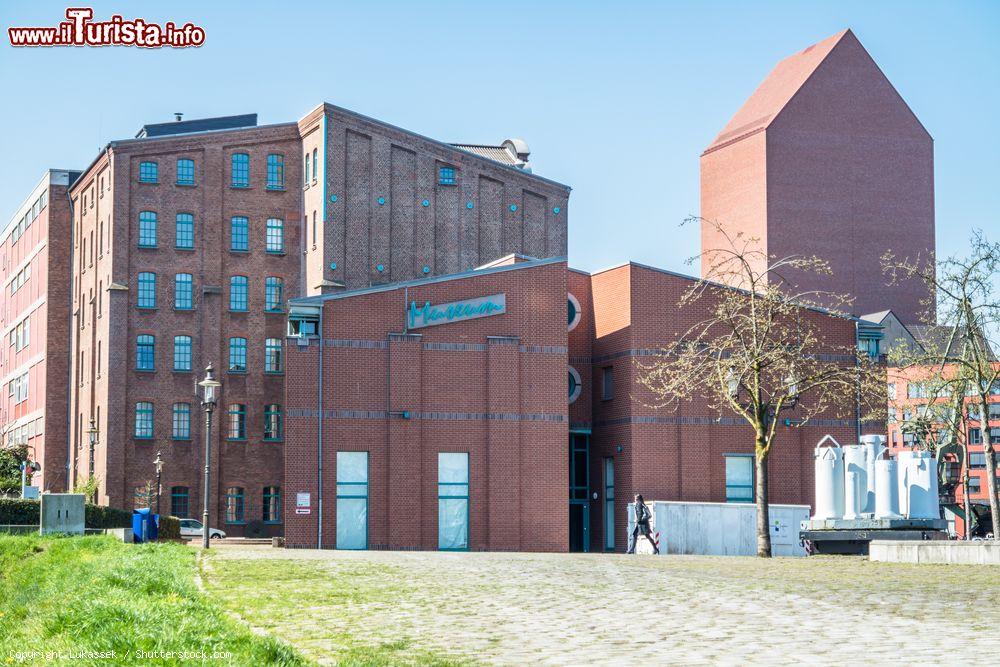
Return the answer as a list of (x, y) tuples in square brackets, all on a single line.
[(722, 529)]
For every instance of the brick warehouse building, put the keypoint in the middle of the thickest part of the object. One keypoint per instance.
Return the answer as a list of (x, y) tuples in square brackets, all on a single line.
[(448, 431), (187, 242), (34, 364), (825, 158)]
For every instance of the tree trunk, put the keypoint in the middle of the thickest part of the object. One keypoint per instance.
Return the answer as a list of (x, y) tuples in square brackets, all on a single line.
[(761, 498), (991, 463)]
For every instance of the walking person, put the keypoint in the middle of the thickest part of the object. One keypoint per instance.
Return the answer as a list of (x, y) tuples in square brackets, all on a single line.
[(642, 516)]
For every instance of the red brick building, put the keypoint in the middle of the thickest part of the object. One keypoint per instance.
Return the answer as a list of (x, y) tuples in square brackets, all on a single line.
[(826, 159), (35, 256), (542, 466), (187, 241)]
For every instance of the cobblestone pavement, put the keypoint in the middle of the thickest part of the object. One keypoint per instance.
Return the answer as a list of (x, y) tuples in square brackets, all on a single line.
[(614, 609)]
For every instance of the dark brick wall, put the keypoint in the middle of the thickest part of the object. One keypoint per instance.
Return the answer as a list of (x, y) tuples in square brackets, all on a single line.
[(449, 377)]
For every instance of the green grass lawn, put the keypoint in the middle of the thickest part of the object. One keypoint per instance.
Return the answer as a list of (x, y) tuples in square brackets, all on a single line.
[(68, 595)]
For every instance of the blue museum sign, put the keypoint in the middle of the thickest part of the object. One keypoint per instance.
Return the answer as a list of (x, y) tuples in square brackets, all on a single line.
[(457, 311)]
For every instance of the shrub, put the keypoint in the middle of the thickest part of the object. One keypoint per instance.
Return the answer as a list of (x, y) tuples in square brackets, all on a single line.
[(170, 528), (99, 516), (18, 512)]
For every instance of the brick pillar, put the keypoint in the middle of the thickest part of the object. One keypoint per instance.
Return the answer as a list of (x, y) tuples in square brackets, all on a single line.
[(404, 442), (503, 444)]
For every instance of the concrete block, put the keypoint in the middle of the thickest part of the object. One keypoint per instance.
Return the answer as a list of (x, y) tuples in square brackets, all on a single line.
[(935, 551), (62, 513)]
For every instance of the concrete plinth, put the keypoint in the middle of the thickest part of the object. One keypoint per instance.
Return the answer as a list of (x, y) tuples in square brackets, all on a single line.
[(968, 553)]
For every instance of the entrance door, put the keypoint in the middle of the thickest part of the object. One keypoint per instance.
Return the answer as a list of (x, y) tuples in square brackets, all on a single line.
[(352, 500), (579, 492)]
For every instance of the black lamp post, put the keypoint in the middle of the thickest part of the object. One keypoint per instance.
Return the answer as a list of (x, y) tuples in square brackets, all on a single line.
[(93, 435), (208, 388), (159, 473)]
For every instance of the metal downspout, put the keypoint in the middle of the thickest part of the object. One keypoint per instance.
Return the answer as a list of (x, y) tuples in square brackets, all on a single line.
[(319, 437)]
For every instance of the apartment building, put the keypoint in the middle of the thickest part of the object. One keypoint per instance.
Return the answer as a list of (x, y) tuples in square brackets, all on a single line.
[(34, 360)]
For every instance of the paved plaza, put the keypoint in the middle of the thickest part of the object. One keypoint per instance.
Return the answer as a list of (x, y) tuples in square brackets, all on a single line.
[(577, 609)]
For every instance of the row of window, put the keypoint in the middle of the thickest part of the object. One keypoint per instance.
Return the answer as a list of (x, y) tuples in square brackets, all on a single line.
[(930, 390), (274, 292), (943, 412), (29, 217), (239, 233), (236, 421), (20, 335), (149, 171), (235, 503), (21, 434), (17, 388), (20, 278), (145, 354)]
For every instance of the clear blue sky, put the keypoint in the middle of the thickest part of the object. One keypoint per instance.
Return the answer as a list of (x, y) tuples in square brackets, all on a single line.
[(617, 100)]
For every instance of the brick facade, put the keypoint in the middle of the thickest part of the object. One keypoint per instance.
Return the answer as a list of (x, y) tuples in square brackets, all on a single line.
[(34, 277), (382, 175), (464, 383), (826, 159)]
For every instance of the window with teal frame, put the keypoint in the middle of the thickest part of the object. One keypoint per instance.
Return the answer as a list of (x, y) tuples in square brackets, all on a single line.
[(275, 239), (147, 290), (185, 171), (272, 505), (453, 501), (235, 505), (273, 294), (237, 355), (183, 291), (182, 353), (149, 172), (237, 422), (145, 352), (272, 356), (143, 420), (184, 232), (241, 170), (275, 171), (182, 421), (147, 229), (180, 506), (352, 500), (239, 234), (238, 293), (272, 422), (739, 478)]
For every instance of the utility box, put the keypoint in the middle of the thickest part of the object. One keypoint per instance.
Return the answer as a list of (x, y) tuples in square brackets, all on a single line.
[(62, 513)]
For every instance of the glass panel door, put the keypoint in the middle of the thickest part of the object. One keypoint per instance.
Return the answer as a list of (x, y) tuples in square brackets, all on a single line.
[(352, 500), (453, 501)]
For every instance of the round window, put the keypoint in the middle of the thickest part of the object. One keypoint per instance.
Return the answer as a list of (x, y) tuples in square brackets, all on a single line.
[(572, 311), (575, 385)]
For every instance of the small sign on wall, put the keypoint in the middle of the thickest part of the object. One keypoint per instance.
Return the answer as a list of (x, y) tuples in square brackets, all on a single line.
[(456, 311), (303, 503)]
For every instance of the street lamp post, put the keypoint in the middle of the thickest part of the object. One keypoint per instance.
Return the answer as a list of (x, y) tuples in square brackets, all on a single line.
[(159, 473), (93, 435), (208, 388)]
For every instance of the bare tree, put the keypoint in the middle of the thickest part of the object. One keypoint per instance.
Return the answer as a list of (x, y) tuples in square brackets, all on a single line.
[(967, 293), (761, 349)]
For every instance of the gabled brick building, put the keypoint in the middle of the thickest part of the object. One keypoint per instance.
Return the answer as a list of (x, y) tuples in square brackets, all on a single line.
[(826, 159)]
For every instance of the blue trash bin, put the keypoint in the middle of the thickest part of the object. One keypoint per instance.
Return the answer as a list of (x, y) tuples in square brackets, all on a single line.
[(140, 525)]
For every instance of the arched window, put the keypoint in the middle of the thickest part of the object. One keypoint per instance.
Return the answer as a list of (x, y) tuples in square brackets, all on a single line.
[(272, 422), (274, 289), (182, 421), (182, 353), (237, 355), (238, 293), (179, 505), (237, 421), (275, 240), (184, 231), (147, 229), (272, 504), (235, 505), (143, 419), (145, 352), (241, 170)]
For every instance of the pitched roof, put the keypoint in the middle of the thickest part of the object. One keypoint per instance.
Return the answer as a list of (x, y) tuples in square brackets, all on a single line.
[(776, 91), (197, 125), (941, 339), (512, 152)]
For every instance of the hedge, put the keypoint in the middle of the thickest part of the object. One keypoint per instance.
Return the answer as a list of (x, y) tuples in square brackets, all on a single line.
[(170, 528), (20, 512)]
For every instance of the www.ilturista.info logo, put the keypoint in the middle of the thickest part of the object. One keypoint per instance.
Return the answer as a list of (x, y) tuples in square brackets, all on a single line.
[(79, 30)]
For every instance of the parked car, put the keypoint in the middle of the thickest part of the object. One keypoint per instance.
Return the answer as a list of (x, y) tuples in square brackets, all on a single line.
[(191, 528)]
